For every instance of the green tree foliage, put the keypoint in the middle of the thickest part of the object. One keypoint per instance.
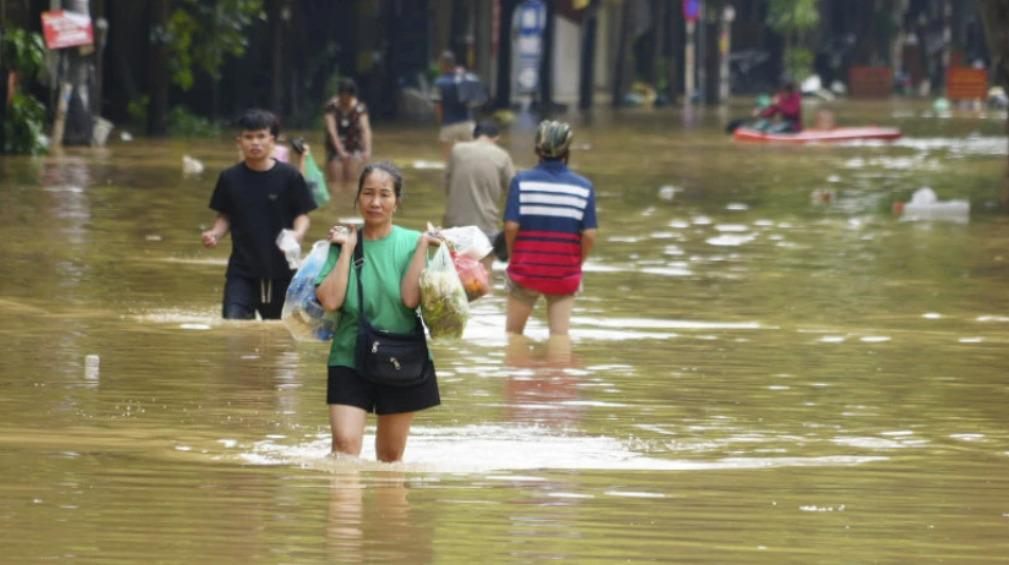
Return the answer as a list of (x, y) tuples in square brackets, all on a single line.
[(793, 16), (792, 19), (24, 125), (23, 54), (202, 34)]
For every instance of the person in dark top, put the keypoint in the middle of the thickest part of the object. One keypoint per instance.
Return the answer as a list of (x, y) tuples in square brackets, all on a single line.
[(348, 134), (454, 115), (255, 201)]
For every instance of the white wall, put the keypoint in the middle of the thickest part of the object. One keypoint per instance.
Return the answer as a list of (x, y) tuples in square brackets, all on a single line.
[(567, 60)]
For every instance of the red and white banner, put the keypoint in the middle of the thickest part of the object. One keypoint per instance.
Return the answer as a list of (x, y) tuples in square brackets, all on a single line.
[(67, 29)]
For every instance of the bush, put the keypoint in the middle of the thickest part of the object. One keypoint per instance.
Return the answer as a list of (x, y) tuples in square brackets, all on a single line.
[(799, 64), (23, 126), (183, 123), (137, 109), (23, 52)]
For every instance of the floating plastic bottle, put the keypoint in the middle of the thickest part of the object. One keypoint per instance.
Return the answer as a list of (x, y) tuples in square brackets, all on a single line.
[(91, 363), (926, 206)]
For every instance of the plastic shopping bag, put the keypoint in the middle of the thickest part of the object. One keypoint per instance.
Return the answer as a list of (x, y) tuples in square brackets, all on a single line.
[(316, 181), (287, 243), (302, 313), (466, 240), (443, 303), (473, 276)]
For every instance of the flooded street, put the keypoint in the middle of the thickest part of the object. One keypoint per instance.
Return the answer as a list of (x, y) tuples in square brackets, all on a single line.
[(755, 376)]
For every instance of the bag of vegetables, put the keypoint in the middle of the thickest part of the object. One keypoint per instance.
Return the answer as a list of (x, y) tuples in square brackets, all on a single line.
[(443, 303)]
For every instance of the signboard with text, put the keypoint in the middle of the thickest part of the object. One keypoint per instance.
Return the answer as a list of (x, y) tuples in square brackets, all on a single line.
[(966, 84), (529, 23), (64, 29)]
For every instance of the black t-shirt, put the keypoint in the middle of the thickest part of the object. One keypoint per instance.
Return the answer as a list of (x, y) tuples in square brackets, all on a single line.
[(259, 204)]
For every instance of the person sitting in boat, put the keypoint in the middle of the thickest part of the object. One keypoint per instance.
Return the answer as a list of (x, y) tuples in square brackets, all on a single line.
[(787, 103)]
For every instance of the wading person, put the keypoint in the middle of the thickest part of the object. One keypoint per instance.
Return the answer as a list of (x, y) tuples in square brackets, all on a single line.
[(255, 200), (387, 283), (453, 114), (787, 104), (348, 134), (477, 179), (550, 229)]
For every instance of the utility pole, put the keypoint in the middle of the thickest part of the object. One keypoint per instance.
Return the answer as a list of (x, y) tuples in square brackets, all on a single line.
[(691, 12), (3, 76), (691, 60), (724, 50), (586, 84), (947, 41)]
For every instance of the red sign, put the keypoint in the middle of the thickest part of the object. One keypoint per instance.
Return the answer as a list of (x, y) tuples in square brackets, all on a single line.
[(67, 29), (966, 84)]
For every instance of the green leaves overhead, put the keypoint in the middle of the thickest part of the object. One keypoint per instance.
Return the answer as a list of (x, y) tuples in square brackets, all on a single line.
[(23, 51), (201, 34), (787, 16)]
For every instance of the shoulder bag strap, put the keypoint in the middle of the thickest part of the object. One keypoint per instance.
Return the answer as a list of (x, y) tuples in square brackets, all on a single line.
[(358, 264)]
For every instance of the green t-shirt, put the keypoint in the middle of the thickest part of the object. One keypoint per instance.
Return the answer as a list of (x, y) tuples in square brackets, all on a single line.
[(386, 262)]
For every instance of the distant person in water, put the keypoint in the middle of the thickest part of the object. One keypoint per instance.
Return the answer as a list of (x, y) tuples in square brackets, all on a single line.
[(453, 114), (348, 134), (788, 105), (477, 176)]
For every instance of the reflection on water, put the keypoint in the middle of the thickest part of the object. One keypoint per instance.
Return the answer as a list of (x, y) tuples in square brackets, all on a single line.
[(765, 366), (547, 393), (373, 522)]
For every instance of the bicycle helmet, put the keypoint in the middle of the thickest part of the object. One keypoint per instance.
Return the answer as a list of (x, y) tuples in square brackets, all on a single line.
[(553, 139)]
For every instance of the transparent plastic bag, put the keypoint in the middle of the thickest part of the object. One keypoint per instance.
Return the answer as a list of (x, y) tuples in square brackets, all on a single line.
[(472, 275), (302, 313), (287, 243), (466, 240), (443, 303)]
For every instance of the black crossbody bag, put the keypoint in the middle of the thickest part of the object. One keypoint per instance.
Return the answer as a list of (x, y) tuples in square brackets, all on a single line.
[(384, 357)]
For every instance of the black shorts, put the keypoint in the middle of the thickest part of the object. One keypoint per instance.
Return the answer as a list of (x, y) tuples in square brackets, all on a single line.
[(346, 386), (244, 296)]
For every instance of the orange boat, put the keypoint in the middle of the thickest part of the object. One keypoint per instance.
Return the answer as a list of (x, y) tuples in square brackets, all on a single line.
[(818, 135)]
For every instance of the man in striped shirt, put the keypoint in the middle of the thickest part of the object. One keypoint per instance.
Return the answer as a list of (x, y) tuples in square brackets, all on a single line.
[(550, 229)]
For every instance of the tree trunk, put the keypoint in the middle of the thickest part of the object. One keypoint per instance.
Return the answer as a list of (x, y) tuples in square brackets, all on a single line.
[(995, 17), (157, 71), (100, 34), (898, 13), (673, 48), (658, 41), (587, 79), (276, 23), (3, 79), (547, 62), (622, 72), (504, 59)]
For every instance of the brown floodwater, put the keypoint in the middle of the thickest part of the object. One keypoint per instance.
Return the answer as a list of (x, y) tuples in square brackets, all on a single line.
[(755, 375)]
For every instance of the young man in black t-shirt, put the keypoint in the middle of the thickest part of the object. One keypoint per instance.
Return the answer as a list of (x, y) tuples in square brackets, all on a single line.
[(255, 200)]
